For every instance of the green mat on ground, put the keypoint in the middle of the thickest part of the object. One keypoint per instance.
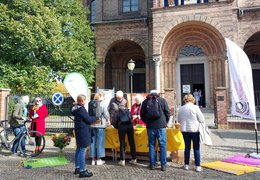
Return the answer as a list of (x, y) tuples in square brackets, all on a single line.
[(45, 162)]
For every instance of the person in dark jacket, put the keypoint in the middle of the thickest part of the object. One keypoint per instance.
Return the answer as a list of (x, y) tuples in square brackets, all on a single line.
[(156, 129), (82, 122)]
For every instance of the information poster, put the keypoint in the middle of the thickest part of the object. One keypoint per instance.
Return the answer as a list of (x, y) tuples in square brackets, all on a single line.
[(186, 88)]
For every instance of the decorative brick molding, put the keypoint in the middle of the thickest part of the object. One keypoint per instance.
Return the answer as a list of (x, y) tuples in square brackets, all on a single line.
[(4, 93)]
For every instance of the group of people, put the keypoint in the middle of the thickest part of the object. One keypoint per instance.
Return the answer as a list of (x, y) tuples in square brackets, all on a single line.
[(90, 128), (20, 114), (198, 97)]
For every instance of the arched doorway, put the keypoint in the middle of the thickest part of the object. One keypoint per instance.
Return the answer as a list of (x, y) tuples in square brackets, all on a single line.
[(116, 71), (252, 49), (192, 74), (196, 35)]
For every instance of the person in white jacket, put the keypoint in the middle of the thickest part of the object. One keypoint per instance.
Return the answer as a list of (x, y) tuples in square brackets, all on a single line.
[(190, 116)]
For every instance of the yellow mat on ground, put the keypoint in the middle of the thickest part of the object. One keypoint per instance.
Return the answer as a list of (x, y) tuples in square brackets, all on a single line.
[(232, 168)]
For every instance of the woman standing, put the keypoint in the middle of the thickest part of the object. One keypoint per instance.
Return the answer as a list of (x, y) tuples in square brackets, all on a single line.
[(135, 111), (38, 113), (97, 107), (189, 117), (82, 122)]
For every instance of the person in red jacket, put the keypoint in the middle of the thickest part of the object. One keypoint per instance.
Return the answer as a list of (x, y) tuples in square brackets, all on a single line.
[(38, 113), (135, 111)]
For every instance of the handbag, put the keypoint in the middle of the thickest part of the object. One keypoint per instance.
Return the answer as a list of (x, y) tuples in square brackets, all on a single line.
[(204, 135)]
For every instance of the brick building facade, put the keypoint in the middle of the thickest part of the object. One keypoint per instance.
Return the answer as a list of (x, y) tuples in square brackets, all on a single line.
[(177, 48)]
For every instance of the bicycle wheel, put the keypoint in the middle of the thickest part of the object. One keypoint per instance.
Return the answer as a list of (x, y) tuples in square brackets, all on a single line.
[(3, 140), (30, 144)]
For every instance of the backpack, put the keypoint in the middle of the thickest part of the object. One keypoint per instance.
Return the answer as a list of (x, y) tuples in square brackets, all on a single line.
[(94, 108), (124, 116), (153, 110)]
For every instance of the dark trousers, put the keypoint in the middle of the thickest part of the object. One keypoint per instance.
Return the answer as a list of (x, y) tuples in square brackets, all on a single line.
[(38, 141), (122, 131), (195, 138)]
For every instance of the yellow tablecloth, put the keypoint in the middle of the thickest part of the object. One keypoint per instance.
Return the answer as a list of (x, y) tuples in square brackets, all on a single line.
[(174, 139)]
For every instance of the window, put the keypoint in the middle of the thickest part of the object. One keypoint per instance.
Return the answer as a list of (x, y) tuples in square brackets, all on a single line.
[(93, 11), (92, 14), (130, 6)]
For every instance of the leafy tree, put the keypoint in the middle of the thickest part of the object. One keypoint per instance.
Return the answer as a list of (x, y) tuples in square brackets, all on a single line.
[(41, 40)]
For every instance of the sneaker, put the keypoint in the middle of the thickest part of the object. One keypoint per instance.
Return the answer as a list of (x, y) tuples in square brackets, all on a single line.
[(163, 168), (198, 168), (100, 162), (85, 174), (76, 171), (121, 162), (93, 162), (152, 167), (186, 167), (133, 161)]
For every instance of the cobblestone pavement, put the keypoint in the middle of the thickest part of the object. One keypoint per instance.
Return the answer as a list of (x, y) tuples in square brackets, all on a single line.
[(226, 143)]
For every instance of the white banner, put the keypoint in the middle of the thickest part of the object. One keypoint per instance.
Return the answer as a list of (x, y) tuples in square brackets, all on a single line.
[(76, 84), (241, 82)]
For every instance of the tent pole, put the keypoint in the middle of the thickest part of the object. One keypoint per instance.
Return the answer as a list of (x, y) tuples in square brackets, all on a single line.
[(256, 140)]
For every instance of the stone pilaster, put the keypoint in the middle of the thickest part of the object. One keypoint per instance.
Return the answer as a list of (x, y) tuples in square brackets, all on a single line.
[(221, 106), (4, 94), (157, 63), (100, 75)]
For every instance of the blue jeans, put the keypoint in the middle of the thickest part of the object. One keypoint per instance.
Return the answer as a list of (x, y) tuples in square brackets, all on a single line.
[(195, 138), (160, 135), (80, 157), (18, 131), (97, 147)]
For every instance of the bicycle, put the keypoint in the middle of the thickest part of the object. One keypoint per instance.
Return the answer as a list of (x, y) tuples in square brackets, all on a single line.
[(26, 134)]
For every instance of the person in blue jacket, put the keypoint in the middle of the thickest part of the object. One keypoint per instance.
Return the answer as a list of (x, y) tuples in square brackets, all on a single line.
[(82, 122)]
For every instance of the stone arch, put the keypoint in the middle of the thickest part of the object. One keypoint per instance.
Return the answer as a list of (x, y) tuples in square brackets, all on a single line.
[(252, 49), (213, 23), (193, 33), (115, 71), (106, 46), (204, 36), (251, 31)]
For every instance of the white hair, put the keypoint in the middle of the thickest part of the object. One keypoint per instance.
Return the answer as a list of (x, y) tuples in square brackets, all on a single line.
[(154, 91), (24, 99), (139, 97), (119, 94)]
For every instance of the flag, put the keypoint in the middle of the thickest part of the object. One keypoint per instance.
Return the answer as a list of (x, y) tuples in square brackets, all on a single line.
[(76, 84), (241, 82)]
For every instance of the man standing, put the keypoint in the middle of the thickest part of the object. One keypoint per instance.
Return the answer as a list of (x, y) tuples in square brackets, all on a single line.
[(155, 113), (116, 107), (116, 103)]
